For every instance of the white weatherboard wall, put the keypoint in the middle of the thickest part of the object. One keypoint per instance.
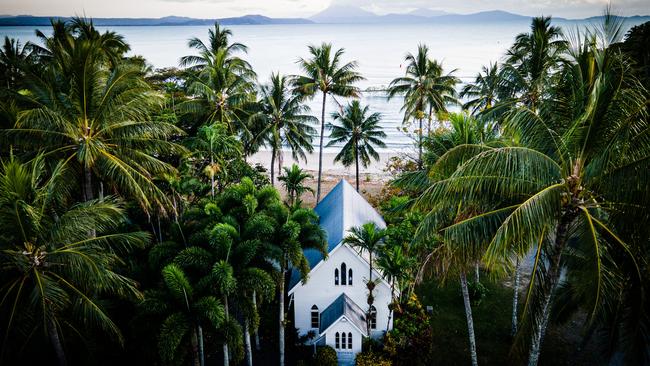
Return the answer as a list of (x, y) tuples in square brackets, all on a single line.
[(321, 291), (345, 355)]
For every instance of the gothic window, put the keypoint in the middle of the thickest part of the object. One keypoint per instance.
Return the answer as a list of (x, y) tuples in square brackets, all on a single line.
[(344, 272), (350, 340), (343, 343), (314, 317), (336, 277), (336, 341), (350, 276), (373, 317)]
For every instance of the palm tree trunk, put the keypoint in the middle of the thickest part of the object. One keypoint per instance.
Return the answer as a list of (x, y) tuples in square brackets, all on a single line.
[(273, 166), (356, 160), (257, 332), (552, 281), (515, 299), (281, 318), (247, 342), (194, 343), (226, 352), (470, 321), (477, 273), (320, 153), (56, 342), (201, 348), (212, 176), (88, 184), (420, 163), (370, 298), (390, 309)]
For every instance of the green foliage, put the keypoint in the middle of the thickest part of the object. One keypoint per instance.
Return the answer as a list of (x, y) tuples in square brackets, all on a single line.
[(370, 358), (325, 356), (409, 342)]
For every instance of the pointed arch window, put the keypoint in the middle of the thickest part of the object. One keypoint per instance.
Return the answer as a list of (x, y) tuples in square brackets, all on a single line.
[(373, 317), (336, 277), (350, 340), (337, 341), (344, 272), (315, 317), (343, 343), (350, 276)]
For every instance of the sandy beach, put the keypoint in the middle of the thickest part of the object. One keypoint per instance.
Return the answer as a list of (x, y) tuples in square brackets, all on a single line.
[(371, 179)]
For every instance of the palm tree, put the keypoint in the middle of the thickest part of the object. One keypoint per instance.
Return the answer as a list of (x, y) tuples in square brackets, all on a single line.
[(584, 162), (394, 265), (359, 133), (293, 182), (220, 147), (369, 238), (185, 313), (53, 275), (13, 57), (324, 72), (95, 115), (223, 82), (484, 92), (286, 121), (531, 59), (424, 86)]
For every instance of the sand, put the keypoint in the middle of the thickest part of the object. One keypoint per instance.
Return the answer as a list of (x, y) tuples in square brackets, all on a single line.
[(371, 179)]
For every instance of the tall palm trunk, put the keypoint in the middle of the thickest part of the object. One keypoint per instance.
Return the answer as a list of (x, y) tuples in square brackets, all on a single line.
[(515, 299), (477, 273), (257, 331), (273, 166), (370, 297), (420, 162), (212, 176), (247, 342), (201, 347), (390, 309), (356, 160), (56, 342), (226, 352), (281, 317), (194, 343), (553, 279), (470, 321), (320, 153)]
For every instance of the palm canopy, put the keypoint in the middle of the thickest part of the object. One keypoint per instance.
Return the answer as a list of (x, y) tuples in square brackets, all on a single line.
[(285, 120), (96, 116), (484, 92), (13, 57), (222, 83), (531, 59), (583, 162), (424, 85), (359, 133), (53, 275), (293, 181), (326, 72)]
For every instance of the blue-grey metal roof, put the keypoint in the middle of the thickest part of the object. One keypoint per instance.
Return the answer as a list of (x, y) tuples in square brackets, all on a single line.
[(343, 306), (342, 209)]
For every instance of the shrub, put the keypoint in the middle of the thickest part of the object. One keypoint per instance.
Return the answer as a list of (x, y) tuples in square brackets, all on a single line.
[(409, 343), (325, 356), (477, 292), (370, 358)]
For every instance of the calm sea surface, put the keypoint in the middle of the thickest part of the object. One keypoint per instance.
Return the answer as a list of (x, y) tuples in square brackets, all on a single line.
[(379, 50)]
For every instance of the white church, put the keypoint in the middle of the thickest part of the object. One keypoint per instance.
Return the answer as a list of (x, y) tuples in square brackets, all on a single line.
[(333, 302)]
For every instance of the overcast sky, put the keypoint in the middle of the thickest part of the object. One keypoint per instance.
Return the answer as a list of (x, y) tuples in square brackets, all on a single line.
[(305, 8)]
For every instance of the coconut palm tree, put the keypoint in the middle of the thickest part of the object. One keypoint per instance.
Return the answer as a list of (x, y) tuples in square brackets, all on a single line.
[(484, 92), (367, 238), (13, 59), (531, 59), (217, 147), (223, 83), (95, 115), (186, 312), (394, 265), (425, 86), (293, 182), (286, 121), (53, 275), (584, 161), (359, 133), (325, 72)]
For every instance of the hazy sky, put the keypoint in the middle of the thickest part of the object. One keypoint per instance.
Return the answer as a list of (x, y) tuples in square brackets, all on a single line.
[(304, 8)]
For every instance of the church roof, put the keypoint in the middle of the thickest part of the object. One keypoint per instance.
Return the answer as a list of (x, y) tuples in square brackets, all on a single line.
[(343, 306), (342, 209)]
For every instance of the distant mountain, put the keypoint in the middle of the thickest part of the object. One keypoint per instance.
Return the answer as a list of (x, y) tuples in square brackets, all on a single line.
[(28, 20), (342, 14), (424, 12)]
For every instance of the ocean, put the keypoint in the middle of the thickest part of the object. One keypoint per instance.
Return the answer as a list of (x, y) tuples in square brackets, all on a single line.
[(379, 50)]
